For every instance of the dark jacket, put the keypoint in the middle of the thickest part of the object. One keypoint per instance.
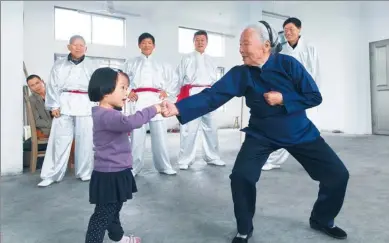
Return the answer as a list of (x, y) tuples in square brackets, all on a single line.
[(42, 116)]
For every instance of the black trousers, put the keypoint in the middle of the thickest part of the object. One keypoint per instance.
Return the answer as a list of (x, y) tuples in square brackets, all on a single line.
[(105, 217), (317, 158)]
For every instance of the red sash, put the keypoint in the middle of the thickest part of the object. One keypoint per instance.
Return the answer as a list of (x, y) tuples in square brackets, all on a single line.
[(146, 90), (76, 91), (184, 92)]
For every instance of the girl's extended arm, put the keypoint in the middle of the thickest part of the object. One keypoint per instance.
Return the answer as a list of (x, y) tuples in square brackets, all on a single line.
[(116, 121)]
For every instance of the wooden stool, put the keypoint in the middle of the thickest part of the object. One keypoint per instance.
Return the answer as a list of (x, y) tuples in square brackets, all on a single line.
[(35, 141)]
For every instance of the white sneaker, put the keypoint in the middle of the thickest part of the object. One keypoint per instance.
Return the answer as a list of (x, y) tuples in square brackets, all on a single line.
[(134, 173), (169, 172), (86, 178), (184, 167), (270, 167), (45, 183), (217, 162)]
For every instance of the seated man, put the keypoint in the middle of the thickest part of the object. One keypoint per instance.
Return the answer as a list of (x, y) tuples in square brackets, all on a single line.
[(43, 118), (67, 99)]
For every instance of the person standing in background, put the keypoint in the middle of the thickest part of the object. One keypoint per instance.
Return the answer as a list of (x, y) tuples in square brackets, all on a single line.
[(67, 99), (150, 83), (196, 72), (306, 53)]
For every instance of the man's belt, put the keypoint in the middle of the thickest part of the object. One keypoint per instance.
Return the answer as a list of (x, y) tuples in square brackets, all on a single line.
[(185, 90), (76, 91), (138, 90)]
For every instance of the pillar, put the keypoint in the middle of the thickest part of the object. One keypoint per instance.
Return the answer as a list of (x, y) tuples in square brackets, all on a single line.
[(12, 79)]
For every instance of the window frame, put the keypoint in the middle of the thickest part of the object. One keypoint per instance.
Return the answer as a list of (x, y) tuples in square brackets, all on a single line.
[(91, 24), (223, 54)]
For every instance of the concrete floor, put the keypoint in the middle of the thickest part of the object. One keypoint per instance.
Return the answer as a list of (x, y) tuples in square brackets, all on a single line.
[(195, 206)]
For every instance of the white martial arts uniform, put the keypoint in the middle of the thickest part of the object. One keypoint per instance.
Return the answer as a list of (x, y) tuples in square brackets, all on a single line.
[(307, 55), (67, 89), (198, 71), (149, 73)]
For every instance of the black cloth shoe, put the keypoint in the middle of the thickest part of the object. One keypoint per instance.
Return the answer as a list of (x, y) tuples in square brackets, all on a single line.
[(243, 240), (334, 232)]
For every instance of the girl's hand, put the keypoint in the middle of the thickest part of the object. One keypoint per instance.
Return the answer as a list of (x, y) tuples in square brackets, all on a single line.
[(132, 96), (159, 108)]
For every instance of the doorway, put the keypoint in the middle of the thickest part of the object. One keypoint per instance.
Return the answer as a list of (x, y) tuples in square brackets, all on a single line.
[(379, 86)]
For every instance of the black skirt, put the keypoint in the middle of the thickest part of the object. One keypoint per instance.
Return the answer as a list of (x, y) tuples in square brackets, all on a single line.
[(111, 187)]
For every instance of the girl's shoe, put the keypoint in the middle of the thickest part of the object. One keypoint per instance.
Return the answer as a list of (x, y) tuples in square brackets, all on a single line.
[(130, 239)]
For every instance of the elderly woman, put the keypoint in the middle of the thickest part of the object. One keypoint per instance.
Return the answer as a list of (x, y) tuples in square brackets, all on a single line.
[(278, 90)]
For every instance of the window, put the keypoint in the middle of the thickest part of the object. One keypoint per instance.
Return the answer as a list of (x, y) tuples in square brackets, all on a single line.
[(215, 46), (96, 29), (216, 42), (276, 21), (107, 31), (104, 61), (69, 23), (219, 74), (281, 37)]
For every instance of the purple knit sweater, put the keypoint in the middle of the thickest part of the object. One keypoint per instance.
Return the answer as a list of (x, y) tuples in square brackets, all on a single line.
[(110, 137)]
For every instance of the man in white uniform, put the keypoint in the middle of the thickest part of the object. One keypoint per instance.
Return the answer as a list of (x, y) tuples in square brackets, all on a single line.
[(196, 72), (67, 99), (307, 55), (150, 83)]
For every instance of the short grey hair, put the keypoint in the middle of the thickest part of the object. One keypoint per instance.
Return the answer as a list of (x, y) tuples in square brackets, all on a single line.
[(76, 37), (263, 34)]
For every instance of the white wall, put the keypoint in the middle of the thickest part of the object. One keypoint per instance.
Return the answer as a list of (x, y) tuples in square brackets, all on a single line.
[(373, 27), (40, 46), (375, 17), (12, 96)]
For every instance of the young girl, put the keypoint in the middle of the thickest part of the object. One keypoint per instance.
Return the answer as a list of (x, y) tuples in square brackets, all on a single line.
[(112, 182)]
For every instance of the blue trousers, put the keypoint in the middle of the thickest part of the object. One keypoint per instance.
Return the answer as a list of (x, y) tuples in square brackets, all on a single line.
[(317, 158)]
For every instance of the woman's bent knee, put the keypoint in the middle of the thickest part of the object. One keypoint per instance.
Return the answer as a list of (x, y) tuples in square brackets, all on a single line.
[(242, 176), (341, 177)]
